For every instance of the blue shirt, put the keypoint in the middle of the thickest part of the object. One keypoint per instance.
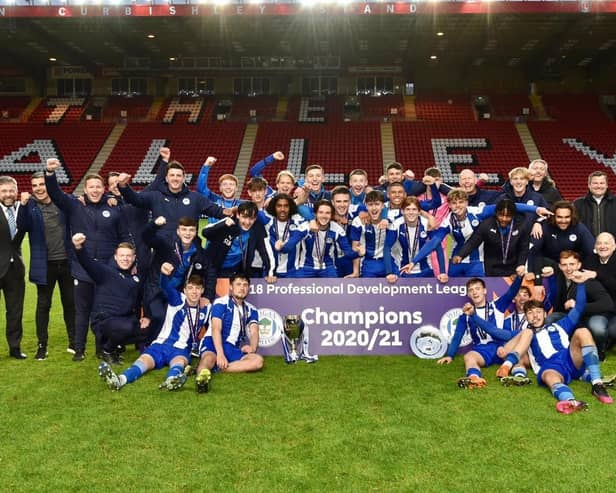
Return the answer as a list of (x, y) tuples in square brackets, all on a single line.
[(236, 320)]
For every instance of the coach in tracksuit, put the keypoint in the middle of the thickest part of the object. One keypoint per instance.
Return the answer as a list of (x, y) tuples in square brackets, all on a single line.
[(116, 312), (172, 202), (105, 226)]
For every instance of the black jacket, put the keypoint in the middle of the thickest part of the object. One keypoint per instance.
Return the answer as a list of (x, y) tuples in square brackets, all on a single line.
[(598, 301), (220, 237), (599, 218), (494, 244), (118, 292)]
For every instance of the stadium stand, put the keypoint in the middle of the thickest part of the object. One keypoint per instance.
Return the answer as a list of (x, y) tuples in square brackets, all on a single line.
[(379, 107), (574, 107), (509, 107), (180, 109), (55, 110), (573, 151), (489, 147), (190, 145), (12, 106), (444, 108), (338, 147), (25, 147), (263, 106), (302, 108), (191, 107), (136, 107)]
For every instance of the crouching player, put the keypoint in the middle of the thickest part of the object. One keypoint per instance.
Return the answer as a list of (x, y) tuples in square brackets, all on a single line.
[(183, 321), (231, 341), (555, 359)]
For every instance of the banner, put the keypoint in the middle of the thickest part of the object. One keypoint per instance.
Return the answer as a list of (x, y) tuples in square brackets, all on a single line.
[(365, 316), (324, 9)]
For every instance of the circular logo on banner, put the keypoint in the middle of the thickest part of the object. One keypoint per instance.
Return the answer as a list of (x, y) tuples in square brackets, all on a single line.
[(448, 326), (185, 201), (270, 327), (106, 213), (428, 342)]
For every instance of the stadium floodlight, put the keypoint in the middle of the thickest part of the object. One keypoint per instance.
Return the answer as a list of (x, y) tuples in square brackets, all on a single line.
[(51, 59), (433, 57), (151, 36), (440, 33)]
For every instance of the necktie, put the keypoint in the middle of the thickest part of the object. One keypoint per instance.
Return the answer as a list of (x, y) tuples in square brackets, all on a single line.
[(11, 220)]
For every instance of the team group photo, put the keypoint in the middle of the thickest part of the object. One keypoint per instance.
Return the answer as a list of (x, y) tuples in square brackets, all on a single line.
[(363, 246)]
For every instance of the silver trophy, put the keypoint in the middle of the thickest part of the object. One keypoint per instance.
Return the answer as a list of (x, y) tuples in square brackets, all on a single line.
[(293, 331)]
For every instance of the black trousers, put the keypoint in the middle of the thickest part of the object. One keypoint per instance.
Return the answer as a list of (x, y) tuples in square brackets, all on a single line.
[(58, 271), (13, 286), (116, 331), (84, 299)]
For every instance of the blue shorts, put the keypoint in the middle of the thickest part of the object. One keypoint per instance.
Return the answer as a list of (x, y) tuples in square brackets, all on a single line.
[(344, 266), (328, 272), (371, 267), (488, 353), (427, 272), (562, 363), (466, 269), (163, 354), (232, 352)]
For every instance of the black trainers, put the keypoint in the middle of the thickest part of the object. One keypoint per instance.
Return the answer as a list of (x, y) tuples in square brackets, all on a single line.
[(41, 353), (71, 348), (599, 391), (17, 354), (110, 358), (79, 355)]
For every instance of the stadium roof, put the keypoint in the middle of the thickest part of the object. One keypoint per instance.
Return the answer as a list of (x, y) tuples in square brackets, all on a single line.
[(541, 44)]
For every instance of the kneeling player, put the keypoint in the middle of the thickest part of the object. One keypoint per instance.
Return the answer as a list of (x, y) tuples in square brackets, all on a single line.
[(183, 320), (231, 341)]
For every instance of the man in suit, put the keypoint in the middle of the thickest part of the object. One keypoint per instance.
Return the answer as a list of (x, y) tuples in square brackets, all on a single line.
[(12, 270)]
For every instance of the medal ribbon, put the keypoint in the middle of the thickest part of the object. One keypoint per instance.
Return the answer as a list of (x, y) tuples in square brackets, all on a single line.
[(317, 246), (505, 246)]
